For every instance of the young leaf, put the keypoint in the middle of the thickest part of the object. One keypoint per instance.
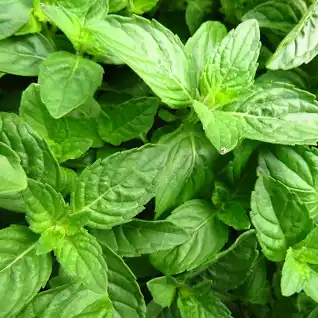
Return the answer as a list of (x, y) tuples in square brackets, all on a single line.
[(230, 268), (205, 306), (14, 14), (115, 189), (300, 45), (22, 272), (70, 300), (81, 256), (230, 70), (67, 81), (44, 206), (261, 116), (294, 275), (123, 289), (126, 121), (36, 157), (203, 43), (297, 169), (279, 217), (278, 15), (12, 175), (23, 55), (163, 290), (153, 52), (141, 237), (187, 169), (207, 236)]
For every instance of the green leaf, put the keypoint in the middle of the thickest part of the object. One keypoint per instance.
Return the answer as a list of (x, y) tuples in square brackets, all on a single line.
[(279, 217), (12, 175), (163, 290), (69, 23), (69, 137), (142, 6), (126, 121), (207, 236), (256, 288), (84, 10), (70, 300), (203, 43), (300, 45), (307, 250), (23, 55), (153, 52), (278, 15), (261, 116), (230, 268), (296, 77), (32, 26), (233, 214), (314, 313), (22, 272), (67, 81), (197, 12), (14, 14), (44, 206), (141, 237), (70, 148), (50, 239), (187, 170), (117, 5), (81, 256), (230, 70), (295, 275), (296, 168), (204, 306), (123, 289), (36, 157), (115, 189)]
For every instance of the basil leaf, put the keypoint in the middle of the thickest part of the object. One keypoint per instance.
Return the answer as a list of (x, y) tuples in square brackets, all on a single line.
[(23, 55), (123, 289), (260, 116), (297, 169), (204, 41), (300, 45), (163, 290), (67, 81), (207, 236), (44, 206), (230, 268), (206, 305), (36, 157), (22, 272), (187, 170), (14, 14), (70, 300), (230, 70), (81, 256), (280, 219), (278, 15), (141, 237), (126, 121), (115, 189), (125, 37), (12, 175)]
